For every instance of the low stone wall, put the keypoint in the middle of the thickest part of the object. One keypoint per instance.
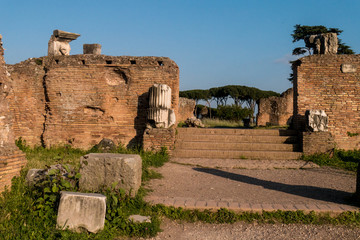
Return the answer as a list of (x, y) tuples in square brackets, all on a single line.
[(156, 138), (317, 142), (10, 166)]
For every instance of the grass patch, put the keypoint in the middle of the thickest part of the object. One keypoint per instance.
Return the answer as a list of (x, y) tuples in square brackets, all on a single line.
[(347, 160), (213, 123), (29, 212)]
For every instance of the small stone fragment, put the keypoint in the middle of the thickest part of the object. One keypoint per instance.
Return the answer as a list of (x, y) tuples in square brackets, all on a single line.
[(140, 219), (92, 49), (348, 68)]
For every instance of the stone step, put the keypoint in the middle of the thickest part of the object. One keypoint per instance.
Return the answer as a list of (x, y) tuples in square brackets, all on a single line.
[(239, 146), (191, 137), (236, 131), (244, 163), (234, 154)]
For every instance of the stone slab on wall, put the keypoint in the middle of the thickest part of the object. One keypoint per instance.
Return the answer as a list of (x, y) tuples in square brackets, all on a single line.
[(276, 111), (321, 84), (186, 109), (156, 138), (317, 142), (81, 99)]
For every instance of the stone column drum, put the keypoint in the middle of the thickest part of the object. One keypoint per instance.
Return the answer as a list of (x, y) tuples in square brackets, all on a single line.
[(160, 112)]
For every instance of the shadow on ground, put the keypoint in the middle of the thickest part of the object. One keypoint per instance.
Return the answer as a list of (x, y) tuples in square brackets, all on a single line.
[(318, 193)]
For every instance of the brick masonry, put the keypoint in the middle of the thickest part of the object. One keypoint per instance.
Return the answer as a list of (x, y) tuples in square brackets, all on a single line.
[(317, 142), (156, 138), (11, 159), (322, 83), (81, 99)]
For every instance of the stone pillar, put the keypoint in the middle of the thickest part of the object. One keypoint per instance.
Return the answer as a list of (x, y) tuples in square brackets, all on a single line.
[(92, 49), (160, 113), (59, 43)]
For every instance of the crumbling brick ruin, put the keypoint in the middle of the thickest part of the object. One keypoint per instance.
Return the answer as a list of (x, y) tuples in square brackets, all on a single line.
[(330, 83), (11, 158), (81, 99), (276, 111)]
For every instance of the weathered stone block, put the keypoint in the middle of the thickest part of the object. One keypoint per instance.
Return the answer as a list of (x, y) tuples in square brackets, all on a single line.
[(324, 43), (92, 49), (79, 211), (348, 68), (103, 169), (59, 43)]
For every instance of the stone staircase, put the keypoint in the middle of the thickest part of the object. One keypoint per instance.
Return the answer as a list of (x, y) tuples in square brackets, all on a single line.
[(241, 144)]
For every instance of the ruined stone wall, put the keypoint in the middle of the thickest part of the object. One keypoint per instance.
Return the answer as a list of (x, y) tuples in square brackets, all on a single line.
[(276, 111), (330, 83), (186, 109), (11, 159), (81, 99)]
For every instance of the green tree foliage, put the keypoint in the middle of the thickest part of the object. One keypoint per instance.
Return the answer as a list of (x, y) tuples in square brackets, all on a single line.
[(302, 31), (240, 94)]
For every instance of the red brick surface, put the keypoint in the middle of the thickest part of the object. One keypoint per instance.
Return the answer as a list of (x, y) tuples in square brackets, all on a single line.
[(82, 99), (320, 84)]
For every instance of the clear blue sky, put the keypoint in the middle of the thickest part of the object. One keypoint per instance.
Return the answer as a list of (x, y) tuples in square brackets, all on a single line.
[(215, 43)]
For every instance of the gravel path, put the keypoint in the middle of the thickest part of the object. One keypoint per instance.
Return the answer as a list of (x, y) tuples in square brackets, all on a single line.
[(281, 186), (261, 186), (238, 231)]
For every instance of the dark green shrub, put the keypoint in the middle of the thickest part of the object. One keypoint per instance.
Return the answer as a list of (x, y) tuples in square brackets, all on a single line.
[(233, 113)]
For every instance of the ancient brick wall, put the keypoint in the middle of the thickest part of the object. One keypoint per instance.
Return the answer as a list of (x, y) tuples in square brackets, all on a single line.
[(11, 159), (156, 138), (276, 111), (84, 98), (330, 83)]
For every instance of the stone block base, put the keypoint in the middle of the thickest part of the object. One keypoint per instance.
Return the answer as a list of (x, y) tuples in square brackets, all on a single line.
[(103, 169), (79, 211)]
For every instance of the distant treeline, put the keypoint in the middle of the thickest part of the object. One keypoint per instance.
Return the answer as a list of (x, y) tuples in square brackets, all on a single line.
[(241, 95)]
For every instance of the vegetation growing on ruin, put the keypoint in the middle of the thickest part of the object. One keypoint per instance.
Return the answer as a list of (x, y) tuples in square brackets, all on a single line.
[(347, 160)]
